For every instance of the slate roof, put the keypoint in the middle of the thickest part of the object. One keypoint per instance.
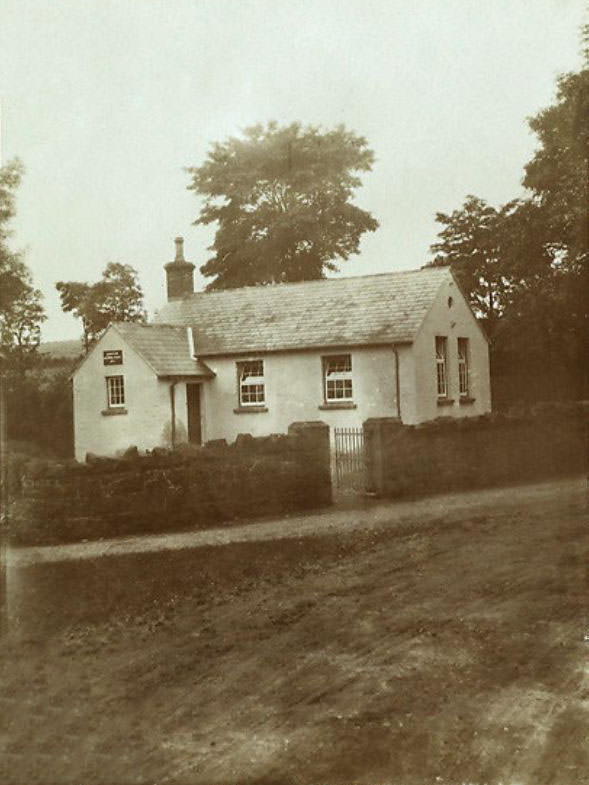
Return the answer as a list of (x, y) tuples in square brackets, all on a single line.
[(371, 309), (164, 347)]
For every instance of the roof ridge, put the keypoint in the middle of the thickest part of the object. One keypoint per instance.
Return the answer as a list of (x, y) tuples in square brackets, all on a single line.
[(147, 324), (288, 284)]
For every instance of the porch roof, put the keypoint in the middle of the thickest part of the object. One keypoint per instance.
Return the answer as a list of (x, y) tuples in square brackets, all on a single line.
[(166, 348)]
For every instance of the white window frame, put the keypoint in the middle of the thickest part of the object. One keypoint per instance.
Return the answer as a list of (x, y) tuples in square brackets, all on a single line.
[(115, 392), (342, 375), (246, 378), (462, 347), (441, 349)]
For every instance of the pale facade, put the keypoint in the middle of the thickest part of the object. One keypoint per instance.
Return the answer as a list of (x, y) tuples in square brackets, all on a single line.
[(294, 391), (145, 418), (449, 317)]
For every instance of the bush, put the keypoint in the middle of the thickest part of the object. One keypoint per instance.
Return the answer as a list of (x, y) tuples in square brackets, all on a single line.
[(40, 410)]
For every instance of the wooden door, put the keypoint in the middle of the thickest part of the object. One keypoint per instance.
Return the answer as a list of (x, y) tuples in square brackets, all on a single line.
[(193, 404)]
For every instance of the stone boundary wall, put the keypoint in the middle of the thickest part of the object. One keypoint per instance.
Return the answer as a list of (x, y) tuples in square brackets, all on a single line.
[(172, 490), (459, 454)]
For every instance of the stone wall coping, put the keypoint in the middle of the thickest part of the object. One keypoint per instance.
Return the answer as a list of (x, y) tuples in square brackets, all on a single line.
[(309, 424), (383, 421)]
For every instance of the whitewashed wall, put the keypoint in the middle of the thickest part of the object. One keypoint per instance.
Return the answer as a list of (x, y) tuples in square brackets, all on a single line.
[(294, 391), (147, 422), (454, 322)]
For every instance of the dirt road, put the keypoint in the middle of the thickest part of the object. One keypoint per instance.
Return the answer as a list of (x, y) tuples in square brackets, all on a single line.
[(440, 650)]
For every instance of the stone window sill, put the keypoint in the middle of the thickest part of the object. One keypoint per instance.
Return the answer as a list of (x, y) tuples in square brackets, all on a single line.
[(114, 410), (445, 401), (337, 405), (467, 399), (250, 409)]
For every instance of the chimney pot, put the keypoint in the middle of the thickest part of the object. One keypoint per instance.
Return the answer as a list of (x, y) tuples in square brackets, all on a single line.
[(179, 274), (179, 249)]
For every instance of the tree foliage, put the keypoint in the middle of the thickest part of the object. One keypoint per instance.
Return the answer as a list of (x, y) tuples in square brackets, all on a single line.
[(40, 407), (524, 264), (117, 297), (496, 253), (281, 197), (21, 312), (472, 242), (558, 174)]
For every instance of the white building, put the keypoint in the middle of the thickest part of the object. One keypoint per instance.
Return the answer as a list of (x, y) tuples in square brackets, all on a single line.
[(255, 359)]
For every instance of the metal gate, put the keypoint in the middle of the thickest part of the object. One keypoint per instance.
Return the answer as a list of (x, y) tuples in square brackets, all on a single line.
[(350, 459)]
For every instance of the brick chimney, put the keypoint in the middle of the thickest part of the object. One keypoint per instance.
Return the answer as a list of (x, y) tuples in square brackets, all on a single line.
[(179, 274)]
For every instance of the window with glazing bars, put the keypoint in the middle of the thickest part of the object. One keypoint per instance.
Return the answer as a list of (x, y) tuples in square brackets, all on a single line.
[(115, 390), (337, 371), (441, 361), (463, 381), (251, 383)]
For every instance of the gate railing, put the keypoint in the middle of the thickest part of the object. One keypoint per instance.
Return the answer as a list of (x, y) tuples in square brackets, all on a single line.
[(350, 458)]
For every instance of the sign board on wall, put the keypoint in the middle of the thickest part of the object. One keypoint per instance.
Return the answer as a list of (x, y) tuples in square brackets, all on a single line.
[(113, 357)]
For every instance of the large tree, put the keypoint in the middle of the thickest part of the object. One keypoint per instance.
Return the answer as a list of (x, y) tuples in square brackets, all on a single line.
[(558, 174), (524, 264), (21, 312), (558, 177), (471, 241), (281, 198), (117, 297), (496, 253)]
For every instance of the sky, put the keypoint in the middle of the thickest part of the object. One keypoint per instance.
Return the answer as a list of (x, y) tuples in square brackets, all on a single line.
[(107, 101)]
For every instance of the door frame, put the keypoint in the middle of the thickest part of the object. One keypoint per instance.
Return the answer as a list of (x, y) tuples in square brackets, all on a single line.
[(190, 416)]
